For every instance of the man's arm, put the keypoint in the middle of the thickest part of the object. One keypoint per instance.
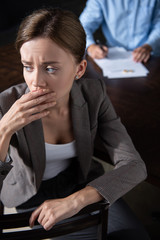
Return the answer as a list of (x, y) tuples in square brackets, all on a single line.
[(154, 37), (91, 18)]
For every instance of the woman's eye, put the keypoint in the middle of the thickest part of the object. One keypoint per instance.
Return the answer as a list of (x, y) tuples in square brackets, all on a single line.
[(28, 69), (51, 69)]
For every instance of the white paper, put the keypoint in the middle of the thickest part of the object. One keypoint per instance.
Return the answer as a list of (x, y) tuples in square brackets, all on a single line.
[(119, 64)]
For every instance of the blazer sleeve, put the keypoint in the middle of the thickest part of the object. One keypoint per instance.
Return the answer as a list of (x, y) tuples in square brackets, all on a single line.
[(5, 168), (129, 169), (7, 98)]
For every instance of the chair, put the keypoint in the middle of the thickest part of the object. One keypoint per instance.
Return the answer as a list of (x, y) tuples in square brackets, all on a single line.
[(18, 220)]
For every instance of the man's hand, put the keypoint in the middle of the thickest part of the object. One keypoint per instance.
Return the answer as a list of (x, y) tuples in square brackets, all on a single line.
[(142, 54), (95, 51)]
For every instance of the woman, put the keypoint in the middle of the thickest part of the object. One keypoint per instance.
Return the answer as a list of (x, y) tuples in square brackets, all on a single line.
[(49, 124)]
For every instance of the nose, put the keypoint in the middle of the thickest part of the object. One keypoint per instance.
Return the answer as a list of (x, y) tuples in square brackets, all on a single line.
[(38, 80)]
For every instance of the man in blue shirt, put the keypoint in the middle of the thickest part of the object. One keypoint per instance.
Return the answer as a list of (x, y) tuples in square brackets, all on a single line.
[(132, 24)]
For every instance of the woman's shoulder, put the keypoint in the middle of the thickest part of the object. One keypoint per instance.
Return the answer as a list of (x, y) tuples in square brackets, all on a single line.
[(92, 88), (10, 95), (93, 91), (93, 85), (18, 89)]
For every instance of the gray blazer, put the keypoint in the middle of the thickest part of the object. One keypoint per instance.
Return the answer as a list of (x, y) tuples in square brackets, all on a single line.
[(92, 114)]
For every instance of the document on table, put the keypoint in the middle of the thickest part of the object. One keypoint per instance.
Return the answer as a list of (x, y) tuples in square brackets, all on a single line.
[(119, 64)]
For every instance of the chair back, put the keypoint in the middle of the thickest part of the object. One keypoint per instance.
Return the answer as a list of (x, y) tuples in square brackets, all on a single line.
[(94, 214)]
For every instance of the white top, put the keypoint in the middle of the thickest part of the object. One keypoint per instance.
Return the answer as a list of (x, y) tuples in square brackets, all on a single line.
[(58, 158)]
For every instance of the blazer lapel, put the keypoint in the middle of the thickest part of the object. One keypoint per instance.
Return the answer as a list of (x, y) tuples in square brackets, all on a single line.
[(35, 140), (23, 147), (81, 128)]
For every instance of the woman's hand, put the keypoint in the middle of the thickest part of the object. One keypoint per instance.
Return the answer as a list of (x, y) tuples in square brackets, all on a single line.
[(30, 107), (95, 51), (142, 54), (53, 211)]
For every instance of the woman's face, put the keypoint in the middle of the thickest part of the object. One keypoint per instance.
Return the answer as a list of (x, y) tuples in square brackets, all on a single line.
[(48, 66)]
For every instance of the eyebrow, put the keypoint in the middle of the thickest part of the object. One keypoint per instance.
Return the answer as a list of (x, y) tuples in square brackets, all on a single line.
[(44, 63)]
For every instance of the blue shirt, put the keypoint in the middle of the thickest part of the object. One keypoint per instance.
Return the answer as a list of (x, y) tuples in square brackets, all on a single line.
[(124, 23)]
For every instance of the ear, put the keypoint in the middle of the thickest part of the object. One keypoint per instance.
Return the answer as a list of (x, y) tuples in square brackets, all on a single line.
[(81, 68)]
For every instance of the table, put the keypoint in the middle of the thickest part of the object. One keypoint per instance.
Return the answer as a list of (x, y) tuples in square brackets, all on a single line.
[(136, 101)]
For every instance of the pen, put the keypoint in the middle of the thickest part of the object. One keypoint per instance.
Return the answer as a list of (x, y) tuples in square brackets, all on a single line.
[(98, 42)]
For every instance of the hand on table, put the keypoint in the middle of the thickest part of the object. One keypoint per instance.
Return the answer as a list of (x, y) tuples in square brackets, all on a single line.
[(142, 54)]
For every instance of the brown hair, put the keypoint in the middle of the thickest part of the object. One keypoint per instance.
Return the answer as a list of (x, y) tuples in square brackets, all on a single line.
[(61, 26)]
